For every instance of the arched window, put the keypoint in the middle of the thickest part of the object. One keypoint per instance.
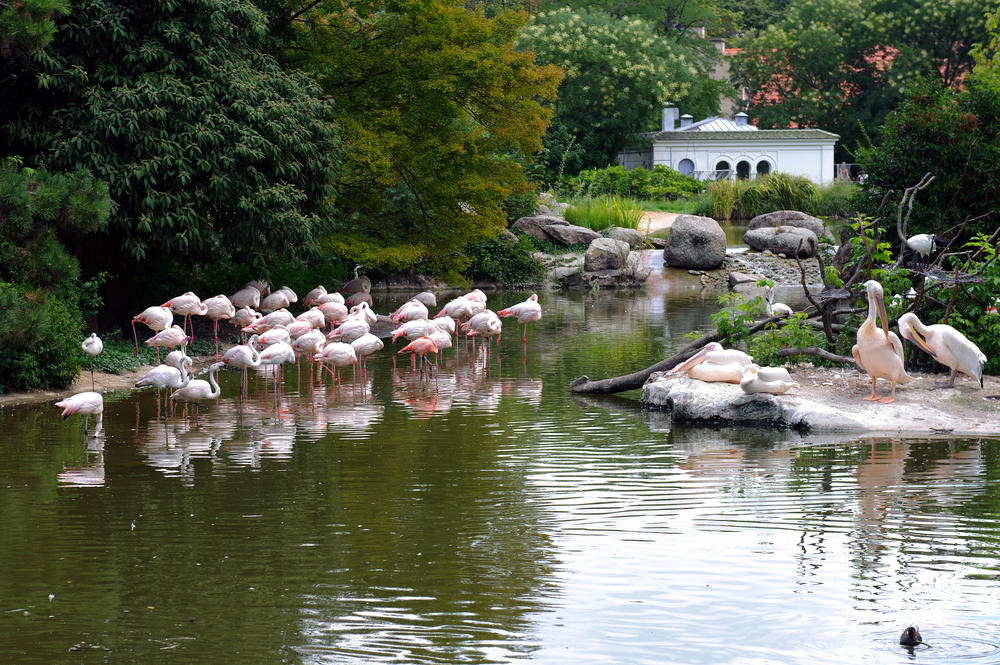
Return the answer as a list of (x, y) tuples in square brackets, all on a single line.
[(763, 167), (686, 166), (743, 170), (722, 170)]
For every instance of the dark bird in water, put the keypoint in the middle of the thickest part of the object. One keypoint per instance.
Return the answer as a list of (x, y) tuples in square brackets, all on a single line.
[(911, 637)]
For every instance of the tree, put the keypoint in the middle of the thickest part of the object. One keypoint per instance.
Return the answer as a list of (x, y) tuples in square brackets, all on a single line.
[(210, 149), (439, 112), (619, 74), (25, 27)]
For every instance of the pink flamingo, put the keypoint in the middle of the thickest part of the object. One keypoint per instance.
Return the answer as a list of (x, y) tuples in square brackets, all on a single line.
[(88, 404), (337, 354), (411, 310), (169, 338), (421, 347), (248, 296), (155, 318), (198, 389), (314, 295), (187, 304), (364, 346), (526, 311), (218, 307), (243, 356)]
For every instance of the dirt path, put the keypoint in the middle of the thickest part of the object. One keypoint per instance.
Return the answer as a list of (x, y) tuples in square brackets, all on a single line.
[(654, 220)]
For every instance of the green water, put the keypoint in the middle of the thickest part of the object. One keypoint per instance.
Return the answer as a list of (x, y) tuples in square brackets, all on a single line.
[(487, 516)]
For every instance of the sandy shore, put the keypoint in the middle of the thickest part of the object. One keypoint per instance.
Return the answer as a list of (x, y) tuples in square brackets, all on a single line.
[(653, 220)]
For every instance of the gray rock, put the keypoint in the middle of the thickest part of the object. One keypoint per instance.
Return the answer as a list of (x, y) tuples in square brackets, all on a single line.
[(568, 234), (631, 236), (656, 243), (543, 210), (787, 240), (533, 225), (695, 242), (605, 254), (790, 218)]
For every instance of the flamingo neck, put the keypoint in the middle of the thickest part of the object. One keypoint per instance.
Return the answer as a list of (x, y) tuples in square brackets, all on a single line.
[(211, 381)]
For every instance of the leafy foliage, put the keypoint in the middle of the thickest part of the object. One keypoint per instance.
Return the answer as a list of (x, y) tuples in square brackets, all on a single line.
[(793, 332), (506, 259), (209, 147), (736, 317), (25, 26), (619, 74), (660, 182)]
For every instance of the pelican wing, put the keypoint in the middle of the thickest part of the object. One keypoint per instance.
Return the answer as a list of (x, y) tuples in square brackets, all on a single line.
[(897, 347)]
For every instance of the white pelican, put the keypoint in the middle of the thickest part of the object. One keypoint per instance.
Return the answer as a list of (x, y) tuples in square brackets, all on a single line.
[(879, 352), (717, 373), (713, 354), (86, 403), (776, 308), (752, 382), (948, 346)]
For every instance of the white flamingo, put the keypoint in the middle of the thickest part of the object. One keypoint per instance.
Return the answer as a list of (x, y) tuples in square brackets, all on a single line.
[(199, 389), (526, 311), (187, 305), (92, 346), (337, 355), (155, 318), (217, 308), (88, 404)]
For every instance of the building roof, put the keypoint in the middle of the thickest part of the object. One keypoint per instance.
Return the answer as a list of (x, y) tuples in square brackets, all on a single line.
[(716, 124), (741, 136)]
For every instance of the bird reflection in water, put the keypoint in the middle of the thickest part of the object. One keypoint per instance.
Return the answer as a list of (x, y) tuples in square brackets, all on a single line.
[(89, 474)]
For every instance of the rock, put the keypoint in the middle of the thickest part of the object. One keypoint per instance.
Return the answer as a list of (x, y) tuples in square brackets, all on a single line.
[(790, 218), (568, 234), (631, 236), (787, 240), (656, 243), (740, 278), (695, 242), (534, 225), (605, 254), (543, 210)]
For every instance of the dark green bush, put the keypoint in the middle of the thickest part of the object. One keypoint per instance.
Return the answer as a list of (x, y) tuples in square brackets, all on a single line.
[(516, 206), (505, 259), (40, 335), (659, 183)]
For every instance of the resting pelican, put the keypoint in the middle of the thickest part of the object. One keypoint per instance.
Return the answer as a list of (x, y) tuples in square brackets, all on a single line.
[(880, 353), (776, 308), (714, 354), (948, 346), (751, 381)]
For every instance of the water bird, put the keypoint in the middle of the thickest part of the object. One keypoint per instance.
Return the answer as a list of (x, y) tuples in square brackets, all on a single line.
[(216, 308), (879, 352), (248, 296), (948, 346), (169, 338), (752, 382), (187, 305), (199, 389), (421, 347), (526, 311), (92, 346), (715, 354), (155, 318), (911, 637), (337, 354), (87, 404), (923, 244), (776, 308)]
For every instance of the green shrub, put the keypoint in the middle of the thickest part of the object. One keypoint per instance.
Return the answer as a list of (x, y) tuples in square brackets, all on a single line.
[(660, 183), (516, 206), (506, 259), (838, 199), (603, 212), (39, 337)]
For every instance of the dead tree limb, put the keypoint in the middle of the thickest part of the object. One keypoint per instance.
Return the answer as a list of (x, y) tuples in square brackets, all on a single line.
[(908, 195), (816, 351)]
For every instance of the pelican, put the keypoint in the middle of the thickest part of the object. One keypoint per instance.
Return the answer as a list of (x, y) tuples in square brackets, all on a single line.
[(713, 353), (752, 382), (717, 373), (776, 308), (948, 346), (880, 353)]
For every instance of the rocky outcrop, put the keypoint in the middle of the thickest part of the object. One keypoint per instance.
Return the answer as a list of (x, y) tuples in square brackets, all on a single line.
[(631, 236), (787, 240), (605, 254), (568, 234), (695, 242), (534, 225), (790, 218)]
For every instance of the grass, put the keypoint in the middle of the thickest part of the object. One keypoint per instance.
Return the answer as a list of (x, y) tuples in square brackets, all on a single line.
[(603, 212)]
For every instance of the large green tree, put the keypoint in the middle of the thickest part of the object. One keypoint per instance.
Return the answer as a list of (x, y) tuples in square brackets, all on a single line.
[(840, 65), (210, 149), (619, 74), (439, 112), (25, 26)]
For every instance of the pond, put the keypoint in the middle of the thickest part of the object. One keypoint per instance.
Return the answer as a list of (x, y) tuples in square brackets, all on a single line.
[(487, 516)]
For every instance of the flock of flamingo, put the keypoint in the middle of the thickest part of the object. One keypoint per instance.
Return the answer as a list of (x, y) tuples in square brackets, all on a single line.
[(333, 330)]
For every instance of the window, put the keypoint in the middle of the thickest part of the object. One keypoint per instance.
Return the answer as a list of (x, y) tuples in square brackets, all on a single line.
[(743, 170), (722, 170), (686, 166), (763, 167)]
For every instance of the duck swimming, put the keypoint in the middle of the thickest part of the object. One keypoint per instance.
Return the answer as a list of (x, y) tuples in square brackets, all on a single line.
[(911, 637)]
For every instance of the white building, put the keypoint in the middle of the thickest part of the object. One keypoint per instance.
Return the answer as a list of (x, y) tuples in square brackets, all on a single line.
[(717, 148)]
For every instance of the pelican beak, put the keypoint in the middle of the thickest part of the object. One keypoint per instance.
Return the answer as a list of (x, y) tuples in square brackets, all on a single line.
[(882, 316), (691, 362), (918, 340)]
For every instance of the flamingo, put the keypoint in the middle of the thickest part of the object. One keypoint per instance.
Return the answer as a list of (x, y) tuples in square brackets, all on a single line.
[(92, 346), (155, 318), (187, 305), (364, 346), (314, 295), (314, 316), (330, 297), (476, 295), (338, 354), (427, 298), (413, 330), (421, 347), (442, 339), (485, 324), (445, 323), (277, 354), (276, 335), (277, 317), (248, 296), (243, 356), (880, 353), (461, 308), (218, 307), (198, 389), (298, 328), (334, 312), (289, 293), (275, 301), (948, 346), (88, 403), (173, 374), (364, 310), (169, 338), (526, 311), (310, 343), (350, 330), (411, 310), (245, 317)]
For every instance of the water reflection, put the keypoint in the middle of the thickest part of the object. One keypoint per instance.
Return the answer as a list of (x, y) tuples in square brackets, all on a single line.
[(482, 514)]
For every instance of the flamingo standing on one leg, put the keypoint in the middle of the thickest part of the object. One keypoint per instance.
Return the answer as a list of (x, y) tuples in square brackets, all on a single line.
[(173, 374), (421, 347), (92, 346), (88, 403), (364, 346), (198, 389), (156, 318), (186, 305), (526, 311), (337, 354), (218, 307), (169, 338)]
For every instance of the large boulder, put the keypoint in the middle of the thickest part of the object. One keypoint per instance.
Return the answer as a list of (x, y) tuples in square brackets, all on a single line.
[(605, 254), (568, 234), (790, 218), (695, 242), (632, 236), (787, 240), (534, 225)]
